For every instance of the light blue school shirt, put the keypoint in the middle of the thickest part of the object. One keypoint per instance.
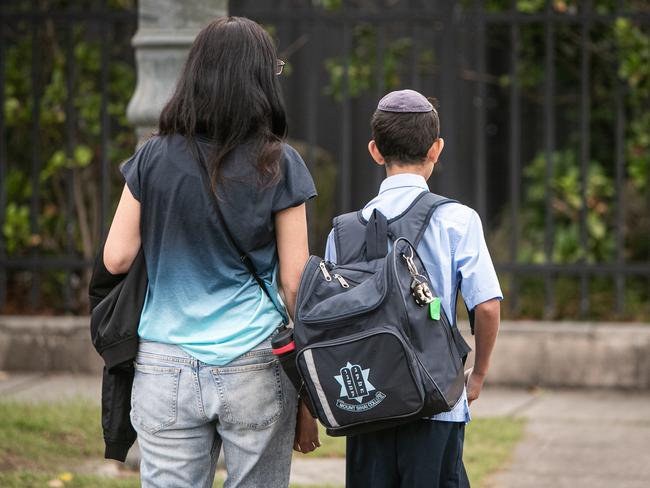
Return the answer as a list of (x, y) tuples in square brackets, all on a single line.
[(453, 249)]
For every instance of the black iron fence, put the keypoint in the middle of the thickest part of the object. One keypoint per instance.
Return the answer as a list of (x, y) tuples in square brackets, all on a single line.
[(543, 108), (66, 73)]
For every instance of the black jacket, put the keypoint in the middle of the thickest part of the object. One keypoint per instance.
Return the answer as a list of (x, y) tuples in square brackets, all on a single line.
[(116, 303)]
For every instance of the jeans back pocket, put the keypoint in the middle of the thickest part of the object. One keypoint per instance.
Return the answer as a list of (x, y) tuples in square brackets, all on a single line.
[(154, 397), (251, 394)]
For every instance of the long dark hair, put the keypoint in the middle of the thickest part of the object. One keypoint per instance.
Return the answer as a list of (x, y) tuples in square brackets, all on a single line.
[(229, 93)]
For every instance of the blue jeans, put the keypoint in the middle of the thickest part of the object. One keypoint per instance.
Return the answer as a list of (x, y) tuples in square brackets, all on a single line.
[(184, 411)]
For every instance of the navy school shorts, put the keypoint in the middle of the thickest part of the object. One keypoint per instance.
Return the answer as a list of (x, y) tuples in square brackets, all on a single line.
[(420, 454)]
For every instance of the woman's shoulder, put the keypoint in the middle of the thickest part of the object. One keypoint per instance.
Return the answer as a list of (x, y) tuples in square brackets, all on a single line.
[(289, 152), (163, 153), (148, 149), (296, 181), (174, 149), (150, 142), (291, 159), (160, 141)]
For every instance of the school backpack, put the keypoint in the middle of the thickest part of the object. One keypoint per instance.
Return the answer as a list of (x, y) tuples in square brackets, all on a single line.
[(373, 346)]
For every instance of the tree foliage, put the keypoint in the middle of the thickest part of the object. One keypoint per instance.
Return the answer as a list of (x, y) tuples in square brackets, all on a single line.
[(618, 50), (68, 145)]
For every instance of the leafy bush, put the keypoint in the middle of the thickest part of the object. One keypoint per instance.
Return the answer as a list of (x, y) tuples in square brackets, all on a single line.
[(68, 220), (619, 63), (362, 74), (566, 206), (634, 67)]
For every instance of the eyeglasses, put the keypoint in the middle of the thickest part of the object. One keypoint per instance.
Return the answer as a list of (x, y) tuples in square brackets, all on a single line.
[(279, 67)]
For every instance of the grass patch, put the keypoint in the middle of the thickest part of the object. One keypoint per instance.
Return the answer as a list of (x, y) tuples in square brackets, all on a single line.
[(44, 442), (32, 479), (488, 445), (48, 436), (29, 479)]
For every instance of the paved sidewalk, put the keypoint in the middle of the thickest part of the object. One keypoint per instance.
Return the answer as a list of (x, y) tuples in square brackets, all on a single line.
[(598, 439), (572, 439)]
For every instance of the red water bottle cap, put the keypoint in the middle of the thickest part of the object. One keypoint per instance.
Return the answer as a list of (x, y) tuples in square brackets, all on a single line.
[(284, 349)]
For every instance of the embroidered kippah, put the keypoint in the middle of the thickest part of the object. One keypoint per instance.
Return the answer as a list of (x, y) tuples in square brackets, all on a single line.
[(404, 101)]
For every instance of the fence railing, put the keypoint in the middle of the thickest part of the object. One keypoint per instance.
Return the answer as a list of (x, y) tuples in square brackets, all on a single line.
[(476, 60), (539, 112), (59, 134)]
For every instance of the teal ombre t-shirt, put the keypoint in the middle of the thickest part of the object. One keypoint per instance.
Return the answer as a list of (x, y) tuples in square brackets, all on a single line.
[(200, 296)]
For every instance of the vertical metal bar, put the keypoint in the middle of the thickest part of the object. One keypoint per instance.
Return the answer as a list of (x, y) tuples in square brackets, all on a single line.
[(515, 159), (414, 34), (380, 172), (312, 66), (620, 199), (479, 130), (446, 181), (381, 35), (585, 115), (105, 128), (36, 68), (3, 168), (69, 150), (345, 188), (620, 185), (549, 148)]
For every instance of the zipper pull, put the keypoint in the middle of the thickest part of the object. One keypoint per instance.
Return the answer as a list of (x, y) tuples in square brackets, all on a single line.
[(326, 273), (342, 281)]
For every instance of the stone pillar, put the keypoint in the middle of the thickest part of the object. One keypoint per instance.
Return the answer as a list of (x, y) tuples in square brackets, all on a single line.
[(166, 29)]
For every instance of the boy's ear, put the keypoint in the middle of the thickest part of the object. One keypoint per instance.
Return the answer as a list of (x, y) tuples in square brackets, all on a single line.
[(436, 148), (374, 152)]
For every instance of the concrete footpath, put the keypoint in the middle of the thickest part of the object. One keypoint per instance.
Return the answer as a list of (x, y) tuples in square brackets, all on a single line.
[(572, 438)]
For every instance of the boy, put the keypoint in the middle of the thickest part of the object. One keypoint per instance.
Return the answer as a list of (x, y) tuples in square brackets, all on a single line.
[(428, 452)]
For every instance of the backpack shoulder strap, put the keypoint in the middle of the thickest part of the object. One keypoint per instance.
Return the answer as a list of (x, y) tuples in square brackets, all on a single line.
[(413, 222), (433, 201), (350, 229)]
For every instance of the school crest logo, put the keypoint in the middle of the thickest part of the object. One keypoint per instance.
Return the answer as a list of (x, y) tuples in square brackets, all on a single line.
[(355, 385)]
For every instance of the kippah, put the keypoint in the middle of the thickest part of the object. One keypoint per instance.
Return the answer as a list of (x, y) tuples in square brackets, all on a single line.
[(404, 101)]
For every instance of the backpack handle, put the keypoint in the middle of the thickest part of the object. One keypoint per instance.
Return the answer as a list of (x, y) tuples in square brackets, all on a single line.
[(376, 236)]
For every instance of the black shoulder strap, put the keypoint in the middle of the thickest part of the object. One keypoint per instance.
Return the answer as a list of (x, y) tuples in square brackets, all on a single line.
[(352, 233), (413, 222), (436, 201), (433, 201), (245, 259)]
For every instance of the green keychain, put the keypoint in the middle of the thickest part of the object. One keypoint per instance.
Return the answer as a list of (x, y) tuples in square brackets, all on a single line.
[(434, 309)]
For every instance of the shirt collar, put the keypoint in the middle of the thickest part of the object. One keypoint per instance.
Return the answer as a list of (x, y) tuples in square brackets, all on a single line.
[(403, 180)]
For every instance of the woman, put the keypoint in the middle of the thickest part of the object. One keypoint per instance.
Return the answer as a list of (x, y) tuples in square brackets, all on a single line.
[(205, 376)]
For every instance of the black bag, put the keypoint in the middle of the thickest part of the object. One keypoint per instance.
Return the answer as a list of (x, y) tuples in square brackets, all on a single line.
[(373, 345)]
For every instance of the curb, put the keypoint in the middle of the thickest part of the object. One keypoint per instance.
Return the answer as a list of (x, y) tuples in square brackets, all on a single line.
[(570, 355), (47, 344), (546, 354)]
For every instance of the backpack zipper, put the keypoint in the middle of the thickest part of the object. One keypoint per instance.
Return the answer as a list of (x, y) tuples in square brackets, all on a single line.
[(326, 273), (342, 281)]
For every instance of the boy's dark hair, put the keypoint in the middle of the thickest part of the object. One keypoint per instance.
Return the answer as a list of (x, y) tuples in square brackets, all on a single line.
[(405, 138)]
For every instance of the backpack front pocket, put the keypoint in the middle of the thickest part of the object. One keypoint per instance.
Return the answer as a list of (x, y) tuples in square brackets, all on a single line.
[(362, 378)]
